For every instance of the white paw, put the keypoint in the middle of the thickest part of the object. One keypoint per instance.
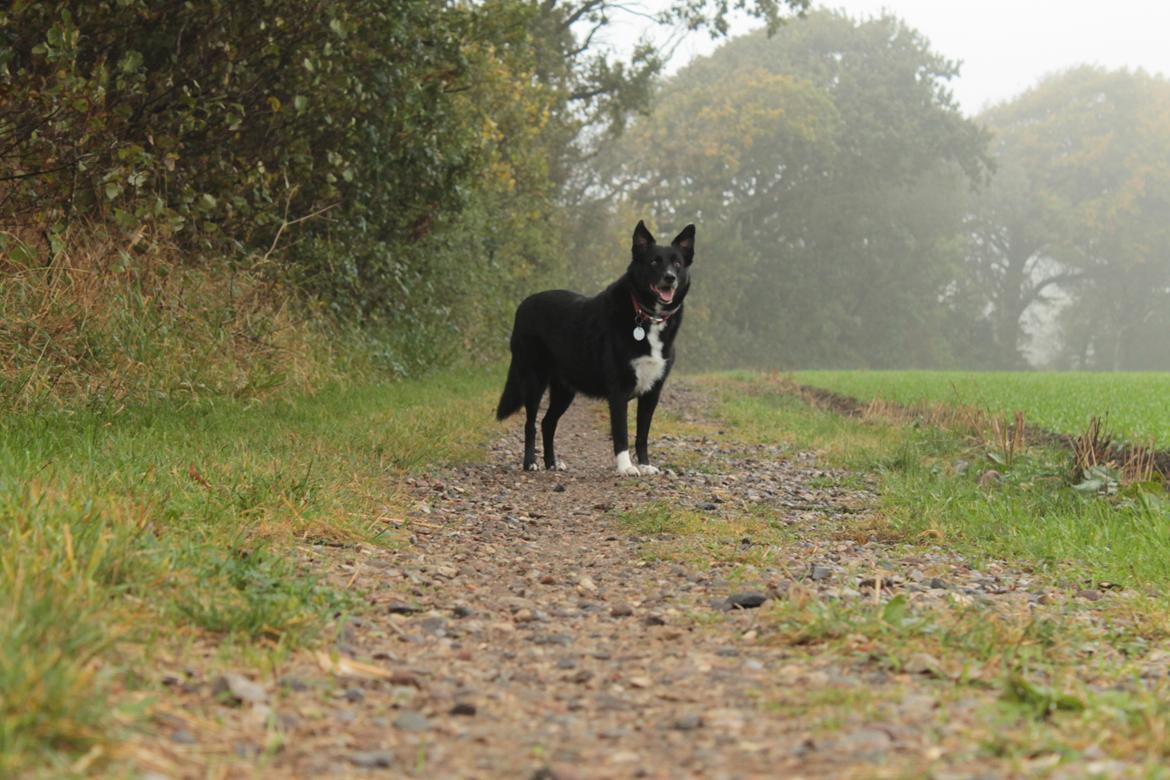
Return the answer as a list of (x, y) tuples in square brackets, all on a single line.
[(532, 467), (560, 466), (647, 469), (624, 466)]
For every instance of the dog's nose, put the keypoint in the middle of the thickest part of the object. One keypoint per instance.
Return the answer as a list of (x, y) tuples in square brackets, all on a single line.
[(669, 277)]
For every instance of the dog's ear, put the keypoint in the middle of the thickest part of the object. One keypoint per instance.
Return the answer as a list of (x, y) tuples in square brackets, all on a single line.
[(685, 241), (642, 238)]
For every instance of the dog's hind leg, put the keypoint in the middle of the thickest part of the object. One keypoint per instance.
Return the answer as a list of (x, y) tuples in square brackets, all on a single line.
[(533, 390), (559, 398)]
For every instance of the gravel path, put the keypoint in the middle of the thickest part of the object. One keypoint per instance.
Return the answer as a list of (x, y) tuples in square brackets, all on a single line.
[(522, 634)]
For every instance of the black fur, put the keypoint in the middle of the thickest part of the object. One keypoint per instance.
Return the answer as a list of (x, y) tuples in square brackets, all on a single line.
[(571, 344)]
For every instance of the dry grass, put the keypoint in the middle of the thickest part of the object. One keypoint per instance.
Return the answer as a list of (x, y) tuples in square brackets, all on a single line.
[(96, 319)]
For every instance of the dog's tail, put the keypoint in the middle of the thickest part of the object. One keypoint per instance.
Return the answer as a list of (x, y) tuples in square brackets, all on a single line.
[(513, 396)]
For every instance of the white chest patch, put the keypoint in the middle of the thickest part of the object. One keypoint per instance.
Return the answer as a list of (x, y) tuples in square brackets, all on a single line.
[(648, 369)]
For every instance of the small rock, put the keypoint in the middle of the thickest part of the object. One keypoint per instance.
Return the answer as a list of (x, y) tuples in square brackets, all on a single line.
[(293, 684), (746, 600), (183, 737), (435, 626), (464, 708), (688, 723), (524, 616), (863, 741), (640, 682), (654, 620), (567, 663), (559, 488), (938, 583), (621, 610), (354, 695), (923, 663), (238, 689), (462, 611), (708, 506), (449, 572), (372, 759), (409, 720), (582, 677), (819, 573), (556, 772), (1090, 595), (401, 608)]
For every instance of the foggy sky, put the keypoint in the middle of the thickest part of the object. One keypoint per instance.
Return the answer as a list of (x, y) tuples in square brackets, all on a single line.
[(1005, 46)]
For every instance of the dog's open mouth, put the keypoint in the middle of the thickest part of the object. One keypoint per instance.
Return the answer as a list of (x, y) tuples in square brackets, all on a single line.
[(665, 294)]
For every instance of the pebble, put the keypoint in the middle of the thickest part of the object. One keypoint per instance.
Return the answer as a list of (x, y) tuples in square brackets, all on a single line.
[(819, 573), (621, 610), (746, 600), (372, 759), (183, 737), (1090, 595), (402, 608), (409, 720), (688, 722), (465, 708), (923, 663), (238, 689)]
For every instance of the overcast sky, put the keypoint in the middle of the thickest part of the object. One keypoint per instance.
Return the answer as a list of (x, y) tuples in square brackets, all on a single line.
[(1005, 46)]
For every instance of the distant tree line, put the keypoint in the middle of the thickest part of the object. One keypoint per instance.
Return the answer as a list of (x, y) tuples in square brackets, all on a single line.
[(851, 216)]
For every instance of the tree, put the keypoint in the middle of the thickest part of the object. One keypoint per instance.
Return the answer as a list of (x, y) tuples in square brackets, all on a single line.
[(1080, 208), (825, 167)]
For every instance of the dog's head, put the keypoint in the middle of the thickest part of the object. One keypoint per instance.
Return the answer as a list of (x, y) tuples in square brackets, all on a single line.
[(662, 274)]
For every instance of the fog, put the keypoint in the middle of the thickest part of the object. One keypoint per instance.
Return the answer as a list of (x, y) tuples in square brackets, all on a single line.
[(911, 184)]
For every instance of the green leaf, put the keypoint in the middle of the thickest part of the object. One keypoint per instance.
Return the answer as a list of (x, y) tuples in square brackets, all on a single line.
[(895, 610), (113, 189), (131, 62)]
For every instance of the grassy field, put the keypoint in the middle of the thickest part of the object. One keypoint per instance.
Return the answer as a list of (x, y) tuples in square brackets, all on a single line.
[(1134, 406), (930, 488), (134, 532)]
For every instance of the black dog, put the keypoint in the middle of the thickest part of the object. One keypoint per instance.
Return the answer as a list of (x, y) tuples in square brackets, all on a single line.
[(617, 345)]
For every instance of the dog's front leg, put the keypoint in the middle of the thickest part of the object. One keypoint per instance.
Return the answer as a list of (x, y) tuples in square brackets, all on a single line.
[(646, 405), (619, 428)]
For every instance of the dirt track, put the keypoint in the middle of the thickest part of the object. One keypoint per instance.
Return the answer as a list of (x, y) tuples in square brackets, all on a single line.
[(523, 634)]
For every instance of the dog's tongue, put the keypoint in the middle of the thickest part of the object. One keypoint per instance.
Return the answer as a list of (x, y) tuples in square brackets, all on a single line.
[(666, 296)]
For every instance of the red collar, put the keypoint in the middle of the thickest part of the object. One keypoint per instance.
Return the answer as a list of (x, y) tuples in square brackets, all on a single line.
[(642, 314)]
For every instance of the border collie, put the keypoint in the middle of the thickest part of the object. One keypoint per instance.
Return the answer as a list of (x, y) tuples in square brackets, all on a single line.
[(616, 345)]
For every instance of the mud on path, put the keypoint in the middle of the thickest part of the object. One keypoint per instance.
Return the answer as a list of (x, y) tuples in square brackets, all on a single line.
[(524, 634)]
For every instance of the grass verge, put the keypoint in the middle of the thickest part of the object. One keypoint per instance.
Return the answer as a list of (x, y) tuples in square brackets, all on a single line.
[(171, 521), (957, 488)]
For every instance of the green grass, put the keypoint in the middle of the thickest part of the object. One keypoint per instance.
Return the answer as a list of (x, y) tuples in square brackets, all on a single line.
[(177, 521), (1134, 405), (929, 487)]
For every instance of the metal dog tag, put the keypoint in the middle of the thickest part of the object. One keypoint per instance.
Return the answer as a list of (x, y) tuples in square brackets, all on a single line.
[(639, 333)]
